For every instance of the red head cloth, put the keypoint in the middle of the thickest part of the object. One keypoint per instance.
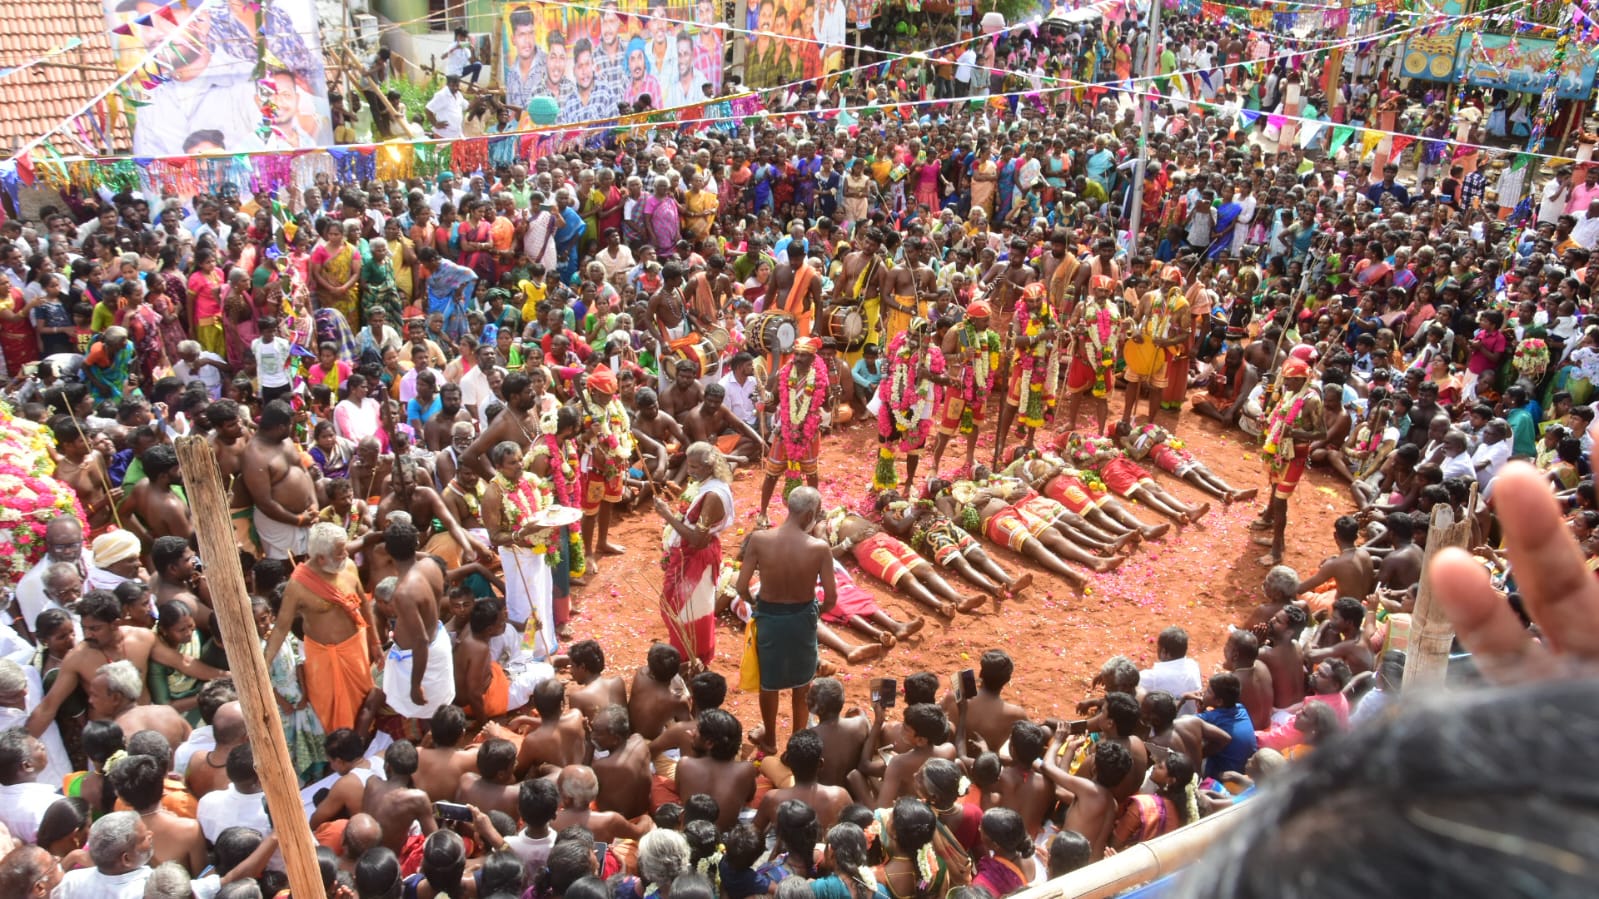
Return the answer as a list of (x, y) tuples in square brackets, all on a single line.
[(603, 380), (1103, 282), (1303, 352), (807, 346), (1173, 274), (979, 309), (1296, 368)]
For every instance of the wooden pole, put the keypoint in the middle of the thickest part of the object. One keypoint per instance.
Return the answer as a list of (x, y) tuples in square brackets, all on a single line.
[(231, 604), (1140, 863), (1431, 634)]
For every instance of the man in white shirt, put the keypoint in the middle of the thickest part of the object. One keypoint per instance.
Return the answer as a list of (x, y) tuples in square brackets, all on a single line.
[(63, 539), (120, 845), (538, 803), (964, 65), (1492, 454), (1456, 462), (15, 701), (447, 109), (1174, 672), (23, 799), (742, 387), (1555, 196), (195, 364), (1586, 231), (475, 390), (241, 803), (272, 356)]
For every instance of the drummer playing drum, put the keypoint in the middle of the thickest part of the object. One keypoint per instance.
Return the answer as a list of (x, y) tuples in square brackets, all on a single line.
[(1160, 325)]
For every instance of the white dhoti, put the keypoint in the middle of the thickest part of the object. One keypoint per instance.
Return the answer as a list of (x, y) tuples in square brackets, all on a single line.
[(438, 681), (530, 598), (280, 540), (523, 675)]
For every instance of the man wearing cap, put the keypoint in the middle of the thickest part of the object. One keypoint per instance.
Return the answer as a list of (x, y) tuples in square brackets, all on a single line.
[(1292, 424), (975, 347), (609, 435), (116, 559), (799, 390), (1161, 324)]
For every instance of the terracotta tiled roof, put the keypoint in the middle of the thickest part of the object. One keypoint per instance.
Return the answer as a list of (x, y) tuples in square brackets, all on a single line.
[(37, 99)]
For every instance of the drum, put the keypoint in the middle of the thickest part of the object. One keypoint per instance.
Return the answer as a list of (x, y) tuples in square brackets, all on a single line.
[(719, 338), (701, 351), (1143, 358), (772, 332), (844, 324)]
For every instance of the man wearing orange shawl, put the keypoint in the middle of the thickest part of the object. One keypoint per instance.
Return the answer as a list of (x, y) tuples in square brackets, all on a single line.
[(804, 292), (341, 637)]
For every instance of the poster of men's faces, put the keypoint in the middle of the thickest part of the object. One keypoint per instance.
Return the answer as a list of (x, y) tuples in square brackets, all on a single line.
[(207, 96), (794, 40), (593, 60)]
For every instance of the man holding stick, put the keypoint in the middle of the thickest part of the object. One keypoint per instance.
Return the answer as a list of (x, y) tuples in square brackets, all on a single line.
[(790, 562)]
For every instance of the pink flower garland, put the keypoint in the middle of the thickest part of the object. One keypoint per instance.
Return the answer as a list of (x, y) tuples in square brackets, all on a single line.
[(892, 407), (796, 446)]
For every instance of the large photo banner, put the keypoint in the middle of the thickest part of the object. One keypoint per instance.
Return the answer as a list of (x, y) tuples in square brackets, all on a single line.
[(227, 76), (590, 59), (795, 40)]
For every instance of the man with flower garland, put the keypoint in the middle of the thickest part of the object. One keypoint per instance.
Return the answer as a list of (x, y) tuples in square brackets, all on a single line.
[(800, 387), (1101, 455), (1034, 367), (608, 431), (975, 347), (1163, 321), (1096, 328), (913, 379), (1292, 424)]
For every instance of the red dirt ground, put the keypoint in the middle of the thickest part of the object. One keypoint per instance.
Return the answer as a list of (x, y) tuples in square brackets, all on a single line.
[(1201, 577)]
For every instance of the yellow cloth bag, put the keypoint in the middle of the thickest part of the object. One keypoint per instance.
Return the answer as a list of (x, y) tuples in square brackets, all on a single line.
[(749, 670)]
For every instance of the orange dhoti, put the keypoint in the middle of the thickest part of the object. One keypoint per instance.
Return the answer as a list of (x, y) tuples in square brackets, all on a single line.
[(338, 678), (1008, 528)]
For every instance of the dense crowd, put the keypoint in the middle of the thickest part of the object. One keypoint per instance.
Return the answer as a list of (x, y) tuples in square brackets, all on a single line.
[(431, 402)]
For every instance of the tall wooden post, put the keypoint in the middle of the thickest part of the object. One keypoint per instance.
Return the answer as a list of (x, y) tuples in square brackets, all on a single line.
[(1431, 633), (231, 603)]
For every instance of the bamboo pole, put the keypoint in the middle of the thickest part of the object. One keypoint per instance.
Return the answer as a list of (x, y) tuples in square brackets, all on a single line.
[(1138, 864), (1431, 633), (231, 603)]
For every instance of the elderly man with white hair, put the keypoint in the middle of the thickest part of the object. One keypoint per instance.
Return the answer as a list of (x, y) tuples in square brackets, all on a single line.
[(195, 364), (114, 693), (20, 690), (340, 634), (120, 845)]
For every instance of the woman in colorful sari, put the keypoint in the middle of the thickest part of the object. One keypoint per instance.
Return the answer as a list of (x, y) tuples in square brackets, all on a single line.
[(1010, 864), (108, 364), (238, 310), (402, 262), (477, 239), (103, 746), (301, 729), (378, 290), (1007, 183), (985, 181), (694, 553), (19, 344), (167, 686), (144, 331), (851, 876), (914, 867), (205, 302), (1145, 816), (335, 272), (1124, 61), (1374, 272)]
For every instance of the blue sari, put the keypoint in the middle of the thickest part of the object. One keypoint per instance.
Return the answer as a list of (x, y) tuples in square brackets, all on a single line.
[(1226, 222)]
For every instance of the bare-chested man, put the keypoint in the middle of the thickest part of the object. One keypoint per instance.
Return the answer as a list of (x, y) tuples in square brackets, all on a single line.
[(1090, 804), (279, 485), (557, 738), (718, 772), (790, 562), (152, 509), (658, 695), (796, 288), (622, 764), (988, 714), (230, 437), (114, 696), (453, 544), (668, 308), (803, 759), (394, 801), (340, 632), (712, 422), (842, 735), (924, 736), (861, 281), (662, 428), (369, 471), (178, 578), (493, 786), (440, 767), (419, 670), (1282, 657), (104, 641), (591, 688), (1399, 576), (684, 392), (208, 770), (1241, 655), (579, 789), (1019, 786), (85, 470), (519, 423), (1351, 570), (1002, 283)]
